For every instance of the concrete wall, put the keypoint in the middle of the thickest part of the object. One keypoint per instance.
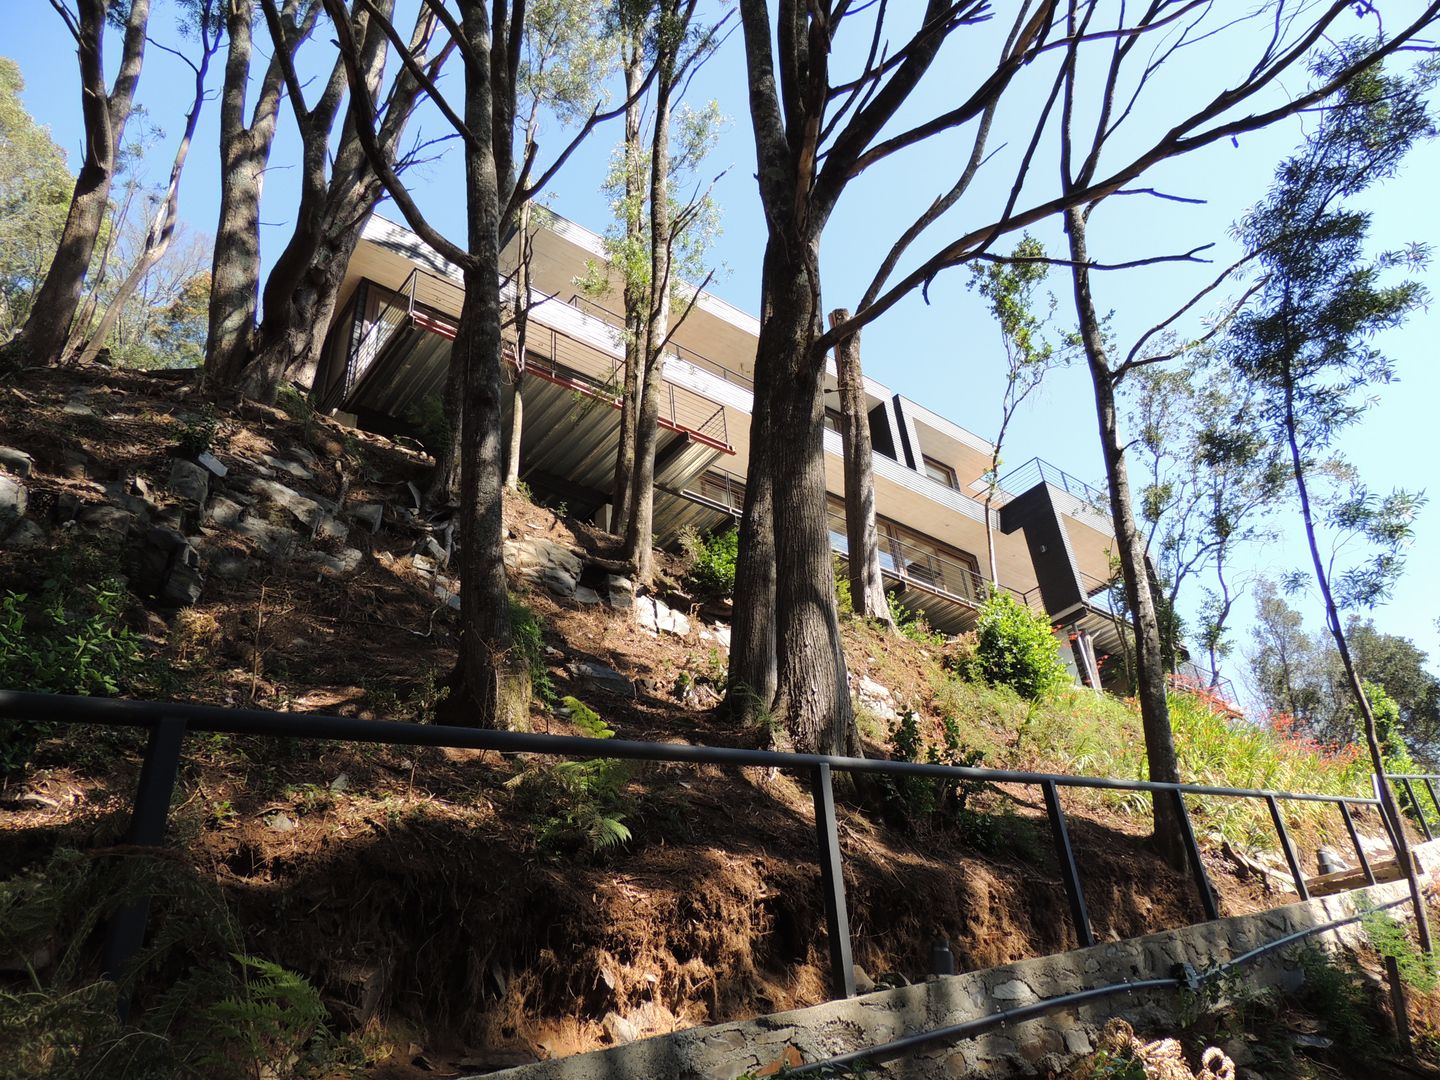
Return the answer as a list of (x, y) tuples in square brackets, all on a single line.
[(729, 1050)]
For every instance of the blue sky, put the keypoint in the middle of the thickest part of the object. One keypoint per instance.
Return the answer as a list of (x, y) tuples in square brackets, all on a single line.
[(945, 353)]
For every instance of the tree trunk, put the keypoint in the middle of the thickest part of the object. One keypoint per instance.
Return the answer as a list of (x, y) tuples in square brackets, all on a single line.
[(244, 154), (752, 675), (635, 297), (522, 322), (491, 681), (638, 532), (867, 587), (1149, 658), (443, 488), (812, 695), (162, 229), (47, 328), (1403, 855)]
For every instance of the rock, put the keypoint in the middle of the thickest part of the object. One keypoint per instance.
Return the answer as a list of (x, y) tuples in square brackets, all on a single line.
[(559, 581), (876, 698), (447, 597), (423, 563), (275, 541), (340, 783), (229, 567), (223, 511), (105, 517), (189, 481), (598, 675), (211, 464), (26, 536), (1013, 990), (371, 514), (77, 406), (295, 469), (183, 584), (655, 615), (1076, 1041), (343, 562), (15, 461), (863, 983), (280, 822), (14, 500), (586, 595), (332, 528)]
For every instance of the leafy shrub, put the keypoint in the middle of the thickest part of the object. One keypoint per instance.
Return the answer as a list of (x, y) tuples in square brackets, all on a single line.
[(66, 640), (294, 403), (927, 801), (530, 644), (1389, 937), (198, 433), (427, 419), (1014, 647), (1335, 991), (711, 559), (575, 804)]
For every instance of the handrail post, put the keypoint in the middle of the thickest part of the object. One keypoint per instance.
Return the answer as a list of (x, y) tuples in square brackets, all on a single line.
[(1430, 787), (832, 881), (1385, 820), (1192, 855), (1069, 873), (126, 932), (1355, 839), (1287, 847), (1419, 811)]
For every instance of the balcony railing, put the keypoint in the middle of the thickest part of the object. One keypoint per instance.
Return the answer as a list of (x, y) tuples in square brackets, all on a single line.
[(1037, 471), (690, 356)]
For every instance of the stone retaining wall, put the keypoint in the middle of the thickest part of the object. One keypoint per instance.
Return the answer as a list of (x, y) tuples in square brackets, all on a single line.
[(725, 1051)]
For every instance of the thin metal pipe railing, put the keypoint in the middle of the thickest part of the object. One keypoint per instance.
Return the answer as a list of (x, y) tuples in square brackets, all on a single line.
[(168, 723)]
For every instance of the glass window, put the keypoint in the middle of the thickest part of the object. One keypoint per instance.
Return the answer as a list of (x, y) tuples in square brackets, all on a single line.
[(941, 473), (723, 489)]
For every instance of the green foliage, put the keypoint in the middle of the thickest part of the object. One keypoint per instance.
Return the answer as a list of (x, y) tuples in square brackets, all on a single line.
[(198, 433), (426, 418), (927, 802), (66, 639), (1335, 991), (224, 1013), (844, 602), (711, 559), (911, 624), (1015, 647), (35, 190), (530, 645), (575, 805), (1389, 937), (295, 403)]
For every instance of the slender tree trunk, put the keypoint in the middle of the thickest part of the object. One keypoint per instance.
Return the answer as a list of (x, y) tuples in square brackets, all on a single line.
[(636, 302), (752, 676), (490, 677), (47, 328), (444, 486), (162, 229), (244, 154), (1403, 855), (867, 586), (1149, 658), (522, 322), (638, 531)]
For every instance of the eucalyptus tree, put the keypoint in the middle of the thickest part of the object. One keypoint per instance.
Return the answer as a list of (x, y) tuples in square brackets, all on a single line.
[(815, 134), (1010, 288), (490, 685), (201, 19), (1212, 479), (35, 191), (106, 111), (1098, 105), (1309, 341), (245, 145)]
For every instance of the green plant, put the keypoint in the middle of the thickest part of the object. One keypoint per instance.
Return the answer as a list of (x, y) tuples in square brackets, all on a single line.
[(66, 640), (928, 801), (294, 403), (575, 804), (1389, 937), (711, 561), (197, 433), (912, 624), (266, 1023), (844, 602), (1015, 647), (530, 645), (426, 418), (1335, 991)]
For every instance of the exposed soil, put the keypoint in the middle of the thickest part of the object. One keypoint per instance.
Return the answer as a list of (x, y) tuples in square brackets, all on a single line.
[(408, 885)]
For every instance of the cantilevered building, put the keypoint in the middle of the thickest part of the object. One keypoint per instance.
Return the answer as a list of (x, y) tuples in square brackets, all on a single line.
[(385, 360)]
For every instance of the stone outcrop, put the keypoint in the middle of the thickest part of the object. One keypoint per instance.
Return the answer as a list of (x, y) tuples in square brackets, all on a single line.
[(542, 562)]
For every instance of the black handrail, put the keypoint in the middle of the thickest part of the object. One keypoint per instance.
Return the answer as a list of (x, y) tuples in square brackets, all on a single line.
[(168, 722)]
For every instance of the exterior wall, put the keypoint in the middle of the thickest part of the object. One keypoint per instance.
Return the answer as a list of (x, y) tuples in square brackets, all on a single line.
[(1048, 1043)]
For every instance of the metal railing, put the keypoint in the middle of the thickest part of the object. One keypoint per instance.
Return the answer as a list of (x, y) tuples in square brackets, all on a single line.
[(690, 356), (1039, 471), (168, 724)]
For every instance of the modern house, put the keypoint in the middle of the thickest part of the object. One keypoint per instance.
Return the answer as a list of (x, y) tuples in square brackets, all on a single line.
[(384, 365)]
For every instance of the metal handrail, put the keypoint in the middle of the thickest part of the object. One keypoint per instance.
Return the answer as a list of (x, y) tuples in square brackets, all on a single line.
[(689, 355), (1037, 470), (168, 723)]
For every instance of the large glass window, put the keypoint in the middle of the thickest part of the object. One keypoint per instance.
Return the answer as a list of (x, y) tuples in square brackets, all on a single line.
[(941, 473), (913, 555)]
